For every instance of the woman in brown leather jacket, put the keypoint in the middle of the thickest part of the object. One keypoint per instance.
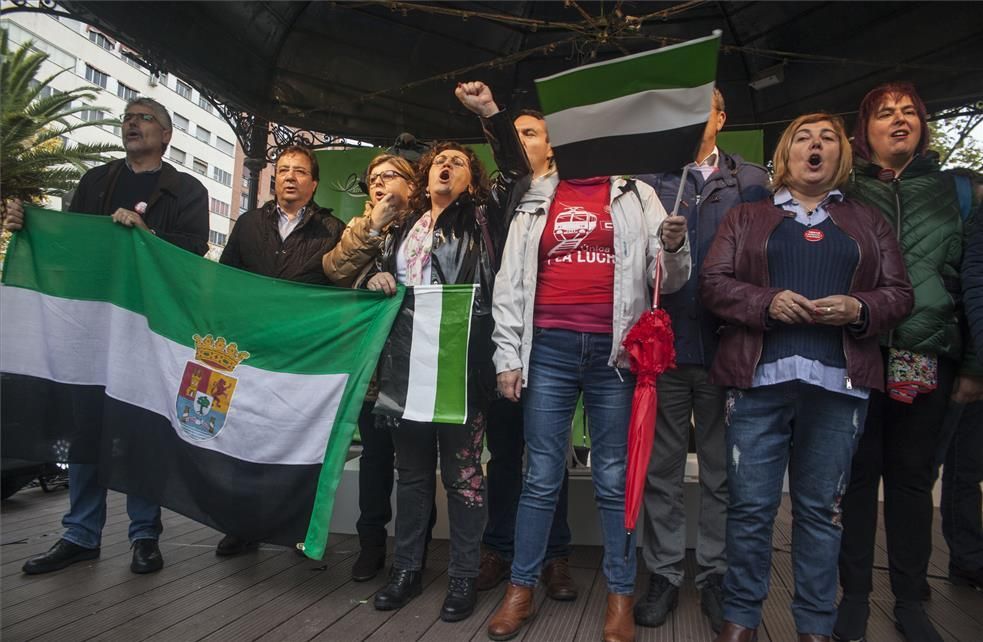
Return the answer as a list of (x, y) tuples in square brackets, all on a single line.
[(804, 281)]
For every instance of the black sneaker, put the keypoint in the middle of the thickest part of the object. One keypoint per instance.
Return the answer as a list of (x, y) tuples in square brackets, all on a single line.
[(712, 601), (370, 561), (62, 554), (460, 600), (851, 619), (660, 600), (403, 586), (913, 623)]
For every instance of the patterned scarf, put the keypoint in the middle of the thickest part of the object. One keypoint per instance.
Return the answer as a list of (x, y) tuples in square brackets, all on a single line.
[(417, 248)]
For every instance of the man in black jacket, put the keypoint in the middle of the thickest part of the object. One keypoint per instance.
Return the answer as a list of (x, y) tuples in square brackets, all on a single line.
[(284, 239), (287, 237), (140, 191)]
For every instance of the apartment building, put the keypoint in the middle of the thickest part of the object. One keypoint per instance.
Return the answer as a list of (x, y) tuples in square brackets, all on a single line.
[(202, 143)]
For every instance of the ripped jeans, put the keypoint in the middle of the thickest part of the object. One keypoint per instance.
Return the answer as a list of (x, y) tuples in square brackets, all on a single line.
[(815, 433)]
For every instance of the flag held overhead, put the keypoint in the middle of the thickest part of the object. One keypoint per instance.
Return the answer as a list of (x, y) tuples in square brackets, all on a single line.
[(642, 113)]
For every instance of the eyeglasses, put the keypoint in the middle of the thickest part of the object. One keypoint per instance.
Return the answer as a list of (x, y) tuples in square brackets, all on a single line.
[(147, 118), (299, 171), (387, 176), (457, 161)]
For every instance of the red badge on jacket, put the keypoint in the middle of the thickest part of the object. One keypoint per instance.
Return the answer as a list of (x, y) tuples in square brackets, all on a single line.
[(813, 235)]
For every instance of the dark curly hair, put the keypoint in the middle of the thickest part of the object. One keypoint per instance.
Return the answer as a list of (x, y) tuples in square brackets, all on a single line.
[(868, 107), (480, 187)]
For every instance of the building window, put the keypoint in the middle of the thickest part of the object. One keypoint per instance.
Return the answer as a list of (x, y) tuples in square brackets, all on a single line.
[(224, 146), (245, 179), (178, 155), (219, 207), (132, 59), (125, 92), (101, 40), (96, 77), (200, 166), (222, 176), (162, 77), (203, 134), (204, 104), (216, 238), (182, 88), (243, 202), (90, 115), (180, 122)]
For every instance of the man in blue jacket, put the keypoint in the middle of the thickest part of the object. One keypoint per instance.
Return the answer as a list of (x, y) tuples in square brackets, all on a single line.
[(714, 183)]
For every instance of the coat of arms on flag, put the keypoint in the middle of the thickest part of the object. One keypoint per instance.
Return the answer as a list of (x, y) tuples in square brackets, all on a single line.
[(205, 395)]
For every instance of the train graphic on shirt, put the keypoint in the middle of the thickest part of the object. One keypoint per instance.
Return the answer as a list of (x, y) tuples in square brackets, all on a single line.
[(571, 227)]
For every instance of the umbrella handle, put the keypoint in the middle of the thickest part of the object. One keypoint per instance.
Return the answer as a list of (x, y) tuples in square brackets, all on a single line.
[(657, 282)]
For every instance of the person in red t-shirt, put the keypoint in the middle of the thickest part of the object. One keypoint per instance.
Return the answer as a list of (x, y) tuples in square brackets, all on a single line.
[(575, 276)]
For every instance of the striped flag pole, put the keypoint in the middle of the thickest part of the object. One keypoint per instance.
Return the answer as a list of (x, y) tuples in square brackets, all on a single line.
[(637, 114)]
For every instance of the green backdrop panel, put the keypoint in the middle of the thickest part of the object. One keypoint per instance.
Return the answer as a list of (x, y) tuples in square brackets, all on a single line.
[(750, 144), (338, 165)]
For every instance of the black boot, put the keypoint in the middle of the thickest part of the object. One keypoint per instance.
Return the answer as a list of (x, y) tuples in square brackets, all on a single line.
[(660, 600), (370, 560), (230, 546), (460, 600), (403, 586)]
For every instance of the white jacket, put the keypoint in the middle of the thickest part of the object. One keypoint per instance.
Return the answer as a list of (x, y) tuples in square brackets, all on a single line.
[(637, 215)]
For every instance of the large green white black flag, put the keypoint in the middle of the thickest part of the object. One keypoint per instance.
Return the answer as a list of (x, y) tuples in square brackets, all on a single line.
[(638, 114), (224, 395)]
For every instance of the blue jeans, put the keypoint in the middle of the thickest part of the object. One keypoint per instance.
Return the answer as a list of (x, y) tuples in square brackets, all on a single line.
[(815, 432), (87, 510), (562, 364), (505, 440)]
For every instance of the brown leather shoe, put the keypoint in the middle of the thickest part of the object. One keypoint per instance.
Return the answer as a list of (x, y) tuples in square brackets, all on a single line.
[(736, 633), (619, 623), (813, 637), (559, 584), (492, 571), (515, 610)]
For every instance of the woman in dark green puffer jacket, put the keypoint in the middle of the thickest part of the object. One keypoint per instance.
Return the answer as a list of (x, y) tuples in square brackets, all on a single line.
[(923, 357)]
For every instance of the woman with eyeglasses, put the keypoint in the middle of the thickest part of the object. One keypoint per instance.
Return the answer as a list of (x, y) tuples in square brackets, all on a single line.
[(451, 236), (389, 180)]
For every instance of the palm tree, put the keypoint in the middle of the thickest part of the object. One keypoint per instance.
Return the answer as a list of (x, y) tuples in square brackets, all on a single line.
[(34, 161)]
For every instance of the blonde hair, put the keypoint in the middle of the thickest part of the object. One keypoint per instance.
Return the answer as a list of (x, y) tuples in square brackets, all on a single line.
[(402, 166), (780, 159)]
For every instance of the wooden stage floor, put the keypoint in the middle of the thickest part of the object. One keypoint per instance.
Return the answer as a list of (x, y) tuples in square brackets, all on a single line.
[(273, 594)]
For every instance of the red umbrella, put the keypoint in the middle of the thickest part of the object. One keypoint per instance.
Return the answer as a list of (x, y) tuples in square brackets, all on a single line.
[(649, 345)]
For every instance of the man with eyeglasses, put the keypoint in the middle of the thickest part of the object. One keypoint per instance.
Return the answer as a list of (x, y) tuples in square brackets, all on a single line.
[(283, 239), (141, 191)]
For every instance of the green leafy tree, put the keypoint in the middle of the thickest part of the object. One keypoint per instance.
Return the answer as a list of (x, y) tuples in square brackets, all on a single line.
[(33, 158), (954, 140)]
